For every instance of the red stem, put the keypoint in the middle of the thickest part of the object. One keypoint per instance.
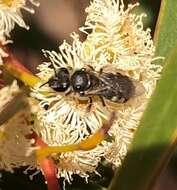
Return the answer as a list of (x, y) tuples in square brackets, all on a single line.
[(47, 165)]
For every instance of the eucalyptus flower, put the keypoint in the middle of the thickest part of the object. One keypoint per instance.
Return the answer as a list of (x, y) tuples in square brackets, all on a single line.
[(10, 13), (14, 145), (117, 43), (3, 42)]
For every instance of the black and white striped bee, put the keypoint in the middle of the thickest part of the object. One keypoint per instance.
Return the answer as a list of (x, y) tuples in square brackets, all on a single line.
[(86, 82)]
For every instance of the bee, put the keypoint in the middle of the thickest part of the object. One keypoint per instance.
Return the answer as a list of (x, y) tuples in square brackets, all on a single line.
[(86, 82)]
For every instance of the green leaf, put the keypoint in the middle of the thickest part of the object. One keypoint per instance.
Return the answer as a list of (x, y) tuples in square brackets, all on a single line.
[(155, 139), (17, 103), (165, 37)]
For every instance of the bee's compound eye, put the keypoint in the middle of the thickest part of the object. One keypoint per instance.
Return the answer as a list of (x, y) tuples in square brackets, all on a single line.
[(62, 72), (80, 81), (61, 81)]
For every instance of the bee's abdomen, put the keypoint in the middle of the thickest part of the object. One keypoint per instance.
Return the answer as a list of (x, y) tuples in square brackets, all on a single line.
[(119, 88)]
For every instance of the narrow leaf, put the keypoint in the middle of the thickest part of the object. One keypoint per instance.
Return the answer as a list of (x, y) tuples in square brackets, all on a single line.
[(155, 139), (86, 144), (166, 29)]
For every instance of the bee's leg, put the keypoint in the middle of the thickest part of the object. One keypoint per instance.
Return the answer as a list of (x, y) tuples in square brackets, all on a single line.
[(68, 91), (90, 101), (102, 101), (101, 71)]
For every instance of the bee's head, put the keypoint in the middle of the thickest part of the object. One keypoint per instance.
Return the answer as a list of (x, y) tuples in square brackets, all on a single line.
[(60, 82)]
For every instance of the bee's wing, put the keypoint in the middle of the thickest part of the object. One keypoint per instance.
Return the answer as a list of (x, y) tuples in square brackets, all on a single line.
[(104, 84), (107, 83), (95, 91), (139, 88), (105, 80)]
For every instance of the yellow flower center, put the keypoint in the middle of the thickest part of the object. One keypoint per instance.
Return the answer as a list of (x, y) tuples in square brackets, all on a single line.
[(2, 136)]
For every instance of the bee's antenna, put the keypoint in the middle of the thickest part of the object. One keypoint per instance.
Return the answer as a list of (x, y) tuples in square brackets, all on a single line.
[(43, 84)]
